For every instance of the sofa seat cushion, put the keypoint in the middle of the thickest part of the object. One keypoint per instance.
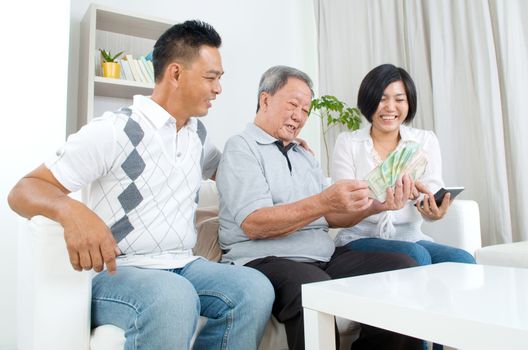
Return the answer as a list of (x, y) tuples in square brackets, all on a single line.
[(107, 337), (110, 337), (509, 254)]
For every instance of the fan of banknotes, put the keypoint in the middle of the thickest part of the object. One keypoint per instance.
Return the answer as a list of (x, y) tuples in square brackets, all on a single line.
[(410, 160)]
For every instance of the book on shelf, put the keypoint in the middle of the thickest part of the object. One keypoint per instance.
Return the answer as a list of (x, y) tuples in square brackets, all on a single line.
[(144, 70), (142, 75), (121, 73), (125, 69), (148, 68), (151, 67), (136, 73)]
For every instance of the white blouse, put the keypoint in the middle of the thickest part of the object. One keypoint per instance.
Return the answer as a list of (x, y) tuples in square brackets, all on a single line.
[(355, 157)]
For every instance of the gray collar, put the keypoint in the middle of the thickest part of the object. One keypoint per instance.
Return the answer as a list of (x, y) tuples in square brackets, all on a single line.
[(261, 136)]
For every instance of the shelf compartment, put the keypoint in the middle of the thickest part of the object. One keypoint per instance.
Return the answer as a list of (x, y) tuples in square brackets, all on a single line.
[(120, 88)]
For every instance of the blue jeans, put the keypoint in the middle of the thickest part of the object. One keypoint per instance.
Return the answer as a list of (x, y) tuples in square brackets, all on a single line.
[(159, 309), (424, 252)]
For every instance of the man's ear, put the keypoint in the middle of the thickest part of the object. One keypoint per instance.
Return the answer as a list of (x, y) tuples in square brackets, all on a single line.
[(173, 72), (264, 100)]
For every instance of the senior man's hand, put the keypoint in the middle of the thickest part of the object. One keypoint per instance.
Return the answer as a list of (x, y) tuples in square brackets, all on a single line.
[(346, 196)]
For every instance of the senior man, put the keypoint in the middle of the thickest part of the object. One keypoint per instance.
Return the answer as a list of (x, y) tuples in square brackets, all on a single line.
[(275, 209)]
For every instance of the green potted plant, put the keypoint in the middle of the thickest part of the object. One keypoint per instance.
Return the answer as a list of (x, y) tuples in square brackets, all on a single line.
[(111, 68), (334, 112)]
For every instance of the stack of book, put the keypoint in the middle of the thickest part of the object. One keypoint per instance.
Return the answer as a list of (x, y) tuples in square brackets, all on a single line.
[(137, 69)]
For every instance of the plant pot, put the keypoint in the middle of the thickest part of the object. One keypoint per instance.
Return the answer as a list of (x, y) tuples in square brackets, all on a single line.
[(111, 70)]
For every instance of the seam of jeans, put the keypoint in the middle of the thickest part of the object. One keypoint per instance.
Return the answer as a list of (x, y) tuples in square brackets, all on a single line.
[(229, 321), (137, 333), (229, 314), (117, 301), (219, 295)]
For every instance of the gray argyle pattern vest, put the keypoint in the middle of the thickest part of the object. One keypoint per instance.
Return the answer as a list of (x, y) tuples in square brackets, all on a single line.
[(147, 199)]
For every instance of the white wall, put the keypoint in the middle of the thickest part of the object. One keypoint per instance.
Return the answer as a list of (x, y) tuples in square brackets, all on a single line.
[(33, 93), (256, 35)]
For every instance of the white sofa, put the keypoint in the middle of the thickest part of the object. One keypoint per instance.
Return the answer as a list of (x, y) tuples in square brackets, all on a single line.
[(54, 300), (507, 254)]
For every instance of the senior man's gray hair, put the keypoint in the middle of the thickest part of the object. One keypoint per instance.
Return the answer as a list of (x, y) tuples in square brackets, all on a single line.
[(276, 77)]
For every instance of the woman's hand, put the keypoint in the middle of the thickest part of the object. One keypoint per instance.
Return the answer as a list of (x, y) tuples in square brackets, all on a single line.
[(430, 210), (396, 198), (415, 194)]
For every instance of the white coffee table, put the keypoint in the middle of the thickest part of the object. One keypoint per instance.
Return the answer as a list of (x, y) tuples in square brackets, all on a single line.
[(459, 305)]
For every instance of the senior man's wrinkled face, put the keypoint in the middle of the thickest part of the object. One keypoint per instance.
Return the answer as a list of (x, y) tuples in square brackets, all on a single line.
[(287, 110)]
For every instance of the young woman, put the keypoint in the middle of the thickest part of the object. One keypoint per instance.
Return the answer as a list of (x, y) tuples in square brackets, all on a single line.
[(387, 99)]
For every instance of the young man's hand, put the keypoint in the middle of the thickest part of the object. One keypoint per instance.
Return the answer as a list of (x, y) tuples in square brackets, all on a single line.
[(89, 241)]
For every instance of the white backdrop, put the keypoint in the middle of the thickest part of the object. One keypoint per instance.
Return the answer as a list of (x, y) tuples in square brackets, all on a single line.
[(469, 61), (34, 56)]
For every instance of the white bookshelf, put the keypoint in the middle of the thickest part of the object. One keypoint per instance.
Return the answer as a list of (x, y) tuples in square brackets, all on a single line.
[(116, 31)]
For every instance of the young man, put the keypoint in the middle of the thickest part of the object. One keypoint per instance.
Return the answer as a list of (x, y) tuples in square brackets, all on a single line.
[(275, 209), (142, 168)]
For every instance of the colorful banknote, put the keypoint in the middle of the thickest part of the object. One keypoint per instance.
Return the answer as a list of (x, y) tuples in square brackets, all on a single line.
[(410, 160)]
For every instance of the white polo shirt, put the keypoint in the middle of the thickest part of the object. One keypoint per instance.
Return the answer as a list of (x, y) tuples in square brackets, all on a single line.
[(142, 179), (355, 157)]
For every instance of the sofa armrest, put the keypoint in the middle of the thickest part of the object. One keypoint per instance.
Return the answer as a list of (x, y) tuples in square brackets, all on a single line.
[(53, 299), (506, 254), (459, 228)]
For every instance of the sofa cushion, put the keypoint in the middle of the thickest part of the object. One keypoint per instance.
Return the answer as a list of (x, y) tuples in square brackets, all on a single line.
[(207, 230), (509, 254)]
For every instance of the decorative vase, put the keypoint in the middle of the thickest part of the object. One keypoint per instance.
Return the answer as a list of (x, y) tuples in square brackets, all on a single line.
[(111, 70)]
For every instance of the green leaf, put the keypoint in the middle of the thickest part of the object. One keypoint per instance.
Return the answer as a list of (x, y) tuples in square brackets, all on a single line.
[(117, 55), (333, 111), (107, 55)]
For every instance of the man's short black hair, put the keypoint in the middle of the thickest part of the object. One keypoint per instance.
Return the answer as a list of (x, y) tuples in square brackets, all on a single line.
[(182, 42), (376, 81)]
